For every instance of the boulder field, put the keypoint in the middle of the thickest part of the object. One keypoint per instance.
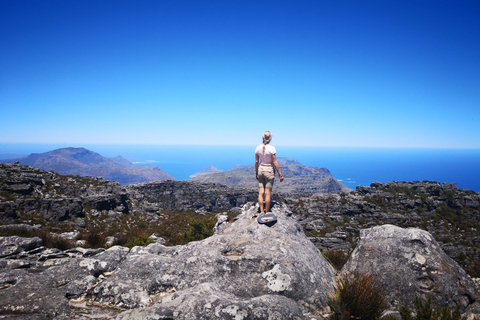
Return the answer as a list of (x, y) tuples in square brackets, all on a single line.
[(246, 270)]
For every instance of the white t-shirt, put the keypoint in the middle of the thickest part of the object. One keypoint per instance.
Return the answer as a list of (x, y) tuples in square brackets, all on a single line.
[(265, 157)]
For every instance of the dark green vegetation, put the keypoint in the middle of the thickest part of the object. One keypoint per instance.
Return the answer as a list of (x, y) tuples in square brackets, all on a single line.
[(337, 258), (200, 229), (425, 311), (128, 230), (49, 240), (357, 296)]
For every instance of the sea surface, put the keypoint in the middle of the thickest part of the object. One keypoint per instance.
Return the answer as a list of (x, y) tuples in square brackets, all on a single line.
[(352, 166)]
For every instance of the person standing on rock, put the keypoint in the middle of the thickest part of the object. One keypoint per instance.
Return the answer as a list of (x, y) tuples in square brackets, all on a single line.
[(265, 166)]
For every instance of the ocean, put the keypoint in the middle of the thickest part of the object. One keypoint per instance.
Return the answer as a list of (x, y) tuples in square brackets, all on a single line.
[(352, 166)]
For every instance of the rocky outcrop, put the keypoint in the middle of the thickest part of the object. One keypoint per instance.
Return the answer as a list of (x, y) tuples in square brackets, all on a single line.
[(38, 283), (408, 263), (332, 221), (25, 191), (251, 260), (187, 195), (245, 271), (451, 215), (392, 202)]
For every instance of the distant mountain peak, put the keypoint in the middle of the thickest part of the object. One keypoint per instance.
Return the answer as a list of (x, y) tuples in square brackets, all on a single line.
[(285, 161), (120, 159), (206, 170), (84, 162)]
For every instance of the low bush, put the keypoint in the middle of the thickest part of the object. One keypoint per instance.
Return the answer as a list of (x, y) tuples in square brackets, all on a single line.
[(54, 241), (357, 296), (48, 240), (95, 239), (139, 241), (425, 311), (337, 258), (200, 229), (473, 269)]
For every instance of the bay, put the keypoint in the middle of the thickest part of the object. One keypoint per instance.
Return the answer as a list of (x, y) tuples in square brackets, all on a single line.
[(352, 166)]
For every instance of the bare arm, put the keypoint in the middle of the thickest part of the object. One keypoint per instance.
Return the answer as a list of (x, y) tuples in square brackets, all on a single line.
[(275, 164), (257, 163)]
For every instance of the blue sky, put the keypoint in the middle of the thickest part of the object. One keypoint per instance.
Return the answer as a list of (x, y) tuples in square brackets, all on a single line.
[(315, 73)]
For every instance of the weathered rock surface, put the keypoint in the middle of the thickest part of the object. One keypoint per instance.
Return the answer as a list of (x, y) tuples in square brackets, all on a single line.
[(39, 283), (409, 262), (450, 214), (206, 301), (187, 195), (243, 264), (245, 271), (25, 191)]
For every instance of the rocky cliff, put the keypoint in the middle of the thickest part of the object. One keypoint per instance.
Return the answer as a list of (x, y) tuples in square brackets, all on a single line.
[(26, 192)]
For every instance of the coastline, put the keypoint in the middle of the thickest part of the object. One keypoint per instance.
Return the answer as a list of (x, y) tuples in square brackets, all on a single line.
[(351, 166)]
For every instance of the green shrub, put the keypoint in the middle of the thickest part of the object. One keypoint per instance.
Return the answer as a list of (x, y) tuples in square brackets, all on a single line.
[(54, 241), (200, 229), (337, 258), (139, 241), (357, 296), (425, 311), (232, 216), (95, 239)]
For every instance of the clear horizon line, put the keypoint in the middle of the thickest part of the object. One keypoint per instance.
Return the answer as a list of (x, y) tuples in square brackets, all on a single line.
[(79, 145)]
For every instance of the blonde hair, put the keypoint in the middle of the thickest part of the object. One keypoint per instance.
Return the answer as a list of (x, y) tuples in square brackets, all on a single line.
[(267, 137)]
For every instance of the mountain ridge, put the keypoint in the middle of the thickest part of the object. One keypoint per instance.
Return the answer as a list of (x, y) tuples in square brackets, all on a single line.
[(299, 178), (84, 162)]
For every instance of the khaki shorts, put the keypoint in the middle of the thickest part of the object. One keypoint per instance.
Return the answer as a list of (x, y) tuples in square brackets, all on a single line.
[(266, 176)]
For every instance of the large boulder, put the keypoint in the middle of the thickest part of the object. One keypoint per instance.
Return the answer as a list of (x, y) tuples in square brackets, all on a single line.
[(46, 291), (13, 245), (408, 263), (246, 270)]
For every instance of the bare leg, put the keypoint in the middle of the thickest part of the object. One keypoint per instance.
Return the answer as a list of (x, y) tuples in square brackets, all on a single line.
[(261, 192), (268, 193)]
